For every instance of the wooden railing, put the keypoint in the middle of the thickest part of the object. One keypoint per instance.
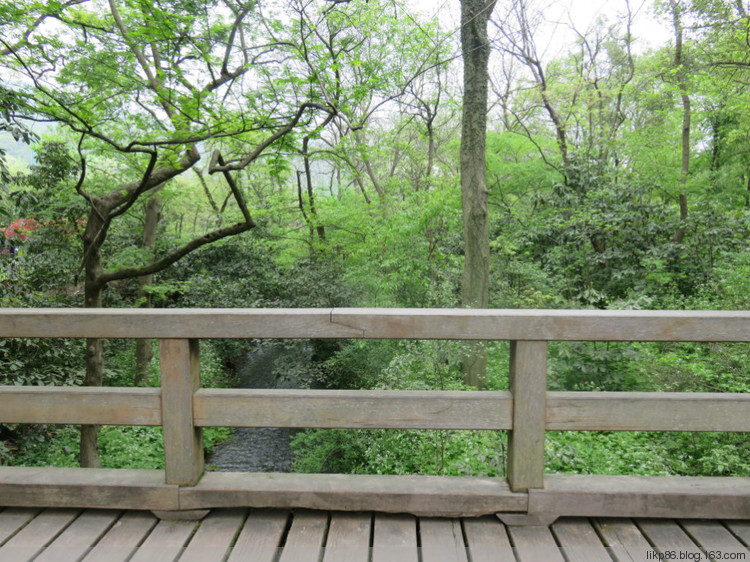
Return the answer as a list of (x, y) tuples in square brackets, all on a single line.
[(527, 410)]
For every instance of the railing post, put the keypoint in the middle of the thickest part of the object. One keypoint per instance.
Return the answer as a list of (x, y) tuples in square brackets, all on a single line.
[(528, 384), (183, 442)]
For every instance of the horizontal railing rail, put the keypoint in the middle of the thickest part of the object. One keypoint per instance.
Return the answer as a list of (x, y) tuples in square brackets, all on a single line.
[(527, 410), (378, 323)]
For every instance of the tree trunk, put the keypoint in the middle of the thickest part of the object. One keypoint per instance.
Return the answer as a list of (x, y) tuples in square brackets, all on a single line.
[(143, 352), (319, 228), (475, 286), (679, 64), (93, 298)]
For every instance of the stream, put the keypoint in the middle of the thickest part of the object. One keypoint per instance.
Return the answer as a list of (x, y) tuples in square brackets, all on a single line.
[(264, 449)]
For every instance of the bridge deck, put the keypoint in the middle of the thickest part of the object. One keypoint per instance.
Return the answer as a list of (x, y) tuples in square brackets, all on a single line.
[(62, 535)]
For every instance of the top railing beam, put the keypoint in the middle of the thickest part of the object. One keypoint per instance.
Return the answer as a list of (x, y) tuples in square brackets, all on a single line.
[(459, 324)]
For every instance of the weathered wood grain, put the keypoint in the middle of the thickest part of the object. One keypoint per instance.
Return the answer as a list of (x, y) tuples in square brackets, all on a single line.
[(13, 518), (121, 540), (667, 537), (487, 540), (353, 408), (83, 533), (624, 540), (86, 487), (528, 410), (528, 385), (183, 442), (643, 496), (534, 543), (579, 540), (306, 537), (171, 323), (261, 536), (442, 540), (40, 531), (348, 538), (713, 537), (394, 538), (165, 542), (214, 537), (648, 411), (548, 325), (463, 324), (63, 535), (741, 530), (80, 405), (436, 495)]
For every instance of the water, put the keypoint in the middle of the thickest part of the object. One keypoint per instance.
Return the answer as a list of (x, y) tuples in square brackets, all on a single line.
[(264, 449), (255, 449)]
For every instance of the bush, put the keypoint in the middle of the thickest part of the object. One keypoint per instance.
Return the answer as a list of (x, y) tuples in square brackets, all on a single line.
[(381, 451)]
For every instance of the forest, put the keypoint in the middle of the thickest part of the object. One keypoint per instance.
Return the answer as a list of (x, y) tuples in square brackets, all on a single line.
[(364, 153)]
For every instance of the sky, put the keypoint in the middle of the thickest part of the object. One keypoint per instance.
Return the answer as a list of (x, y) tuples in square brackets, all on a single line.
[(648, 30)]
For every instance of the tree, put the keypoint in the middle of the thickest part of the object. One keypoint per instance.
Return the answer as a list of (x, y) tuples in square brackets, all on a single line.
[(143, 353), (148, 90), (475, 49), (150, 87), (676, 10)]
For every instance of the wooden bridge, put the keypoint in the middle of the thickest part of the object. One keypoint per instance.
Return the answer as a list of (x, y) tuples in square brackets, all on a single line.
[(581, 516)]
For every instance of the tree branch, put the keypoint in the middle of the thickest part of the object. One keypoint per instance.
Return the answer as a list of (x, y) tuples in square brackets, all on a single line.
[(169, 259), (215, 167)]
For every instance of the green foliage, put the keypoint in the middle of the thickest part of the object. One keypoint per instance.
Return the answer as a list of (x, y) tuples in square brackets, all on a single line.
[(593, 229), (601, 452), (41, 362), (475, 453), (120, 447), (412, 365), (408, 255), (706, 454), (594, 366)]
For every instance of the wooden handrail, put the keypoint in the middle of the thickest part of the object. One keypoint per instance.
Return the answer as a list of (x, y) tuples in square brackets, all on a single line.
[(527, 410), (377, 323)]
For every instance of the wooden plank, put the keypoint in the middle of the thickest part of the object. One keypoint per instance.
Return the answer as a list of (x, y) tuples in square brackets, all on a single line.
[(348, 538), (261, 535), (740, 529), (669, 539), (478, 324), (534, 543), (80, 405), (121, 540), (579, 540), (306, 537), (648, 411), (442, 540), (624, 540), (105, 488), (76, 540), (353, 408), (642, 496), (713, 537), (214, 536), (487, 540), (40, 531), (395, 538), (433, 495), (547, 325), (528, 384), (183, 442), (14, 518), (165, 542), (171, 323)]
